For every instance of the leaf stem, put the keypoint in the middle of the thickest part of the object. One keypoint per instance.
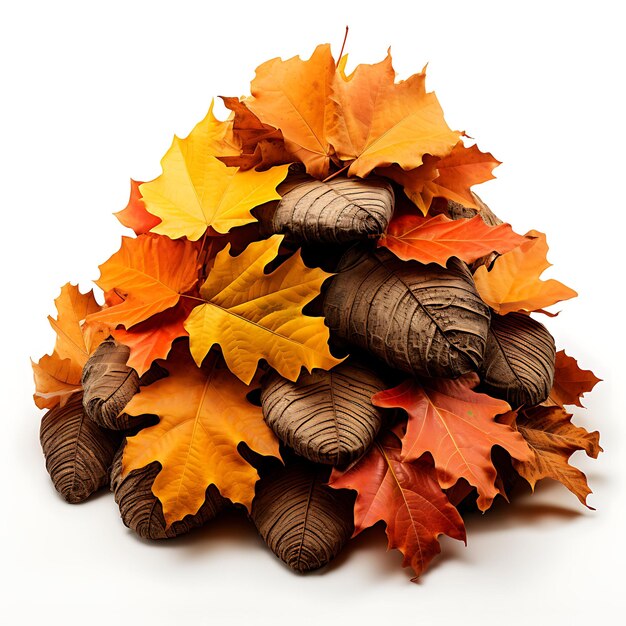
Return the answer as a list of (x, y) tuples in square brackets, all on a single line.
[(343, 45), (335, 174)]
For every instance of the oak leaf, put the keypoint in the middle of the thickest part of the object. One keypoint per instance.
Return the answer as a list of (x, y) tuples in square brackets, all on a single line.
[(406, 496), (553, 439), (377, 122), (197, 191), (457, 426), (436, 239), (135, 216), (253, 315), (513, 283), (149, 273), (570, 381), (57, 376), (294, 96), (204, 415)]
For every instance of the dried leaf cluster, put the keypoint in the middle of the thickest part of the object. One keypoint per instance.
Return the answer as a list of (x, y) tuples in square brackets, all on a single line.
[(322, 244)]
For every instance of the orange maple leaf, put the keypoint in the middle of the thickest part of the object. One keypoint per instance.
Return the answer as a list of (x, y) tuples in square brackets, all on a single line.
[(457, 427), (149, 273), (377, 122), (204, 416), (553, 439), (135, 216), (513, 283), (570, 381), (450, 177), (436, 239), (294, 96), (57, 376), (406, 496)]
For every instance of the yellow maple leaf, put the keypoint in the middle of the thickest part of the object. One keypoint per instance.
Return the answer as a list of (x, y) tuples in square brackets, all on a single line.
[(204, 415), (513, 284), (196, 190), (377, 122), (253, 315)]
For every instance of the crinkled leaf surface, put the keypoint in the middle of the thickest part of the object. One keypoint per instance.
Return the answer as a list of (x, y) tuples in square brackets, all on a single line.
[(203, 416), (253, 315), (514, 284), (404, 495), (457, 427)]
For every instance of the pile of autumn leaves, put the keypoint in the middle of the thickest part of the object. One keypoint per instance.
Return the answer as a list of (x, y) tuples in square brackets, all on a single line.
[(179, 278)]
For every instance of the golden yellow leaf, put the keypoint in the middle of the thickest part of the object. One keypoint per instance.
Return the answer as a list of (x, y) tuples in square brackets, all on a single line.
[(196, 190), (377, 122), (252, 315), (204, 415), (513, 284)]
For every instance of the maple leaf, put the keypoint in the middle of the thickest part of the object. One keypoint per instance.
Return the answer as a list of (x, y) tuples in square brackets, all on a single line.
[(57, 376), (135, 216), (196, 190), (450, 177), (376, 121), (293, 95), (204, 415), (436, 239), (253, 315), (553, 439), (457, 426), (570, 381), (406, 496), (150, 273), (513, 283)]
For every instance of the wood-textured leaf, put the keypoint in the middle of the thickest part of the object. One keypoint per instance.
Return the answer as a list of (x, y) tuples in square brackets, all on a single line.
[(141, 510), (302, 520), (336, 211), (326, 417), (519, 360), (108, 385), (78, 452), (421, 319)]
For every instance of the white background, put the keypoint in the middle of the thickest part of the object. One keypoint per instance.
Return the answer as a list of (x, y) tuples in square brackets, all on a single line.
[(92, 93)]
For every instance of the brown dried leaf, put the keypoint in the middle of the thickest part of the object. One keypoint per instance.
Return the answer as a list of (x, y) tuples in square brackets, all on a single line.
[(78, 452), (302, 520), (141, 510), (426, 320), (108, 385), (326, 417), (336, 211), (519, 360)]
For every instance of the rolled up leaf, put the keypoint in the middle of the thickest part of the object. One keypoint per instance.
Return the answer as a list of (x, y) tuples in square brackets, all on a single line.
[(336, 211), (425, 320), (78, 452), (457, 211), (141, 510), (326, 416), (108, 385), (519, 360), (302, 520)]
